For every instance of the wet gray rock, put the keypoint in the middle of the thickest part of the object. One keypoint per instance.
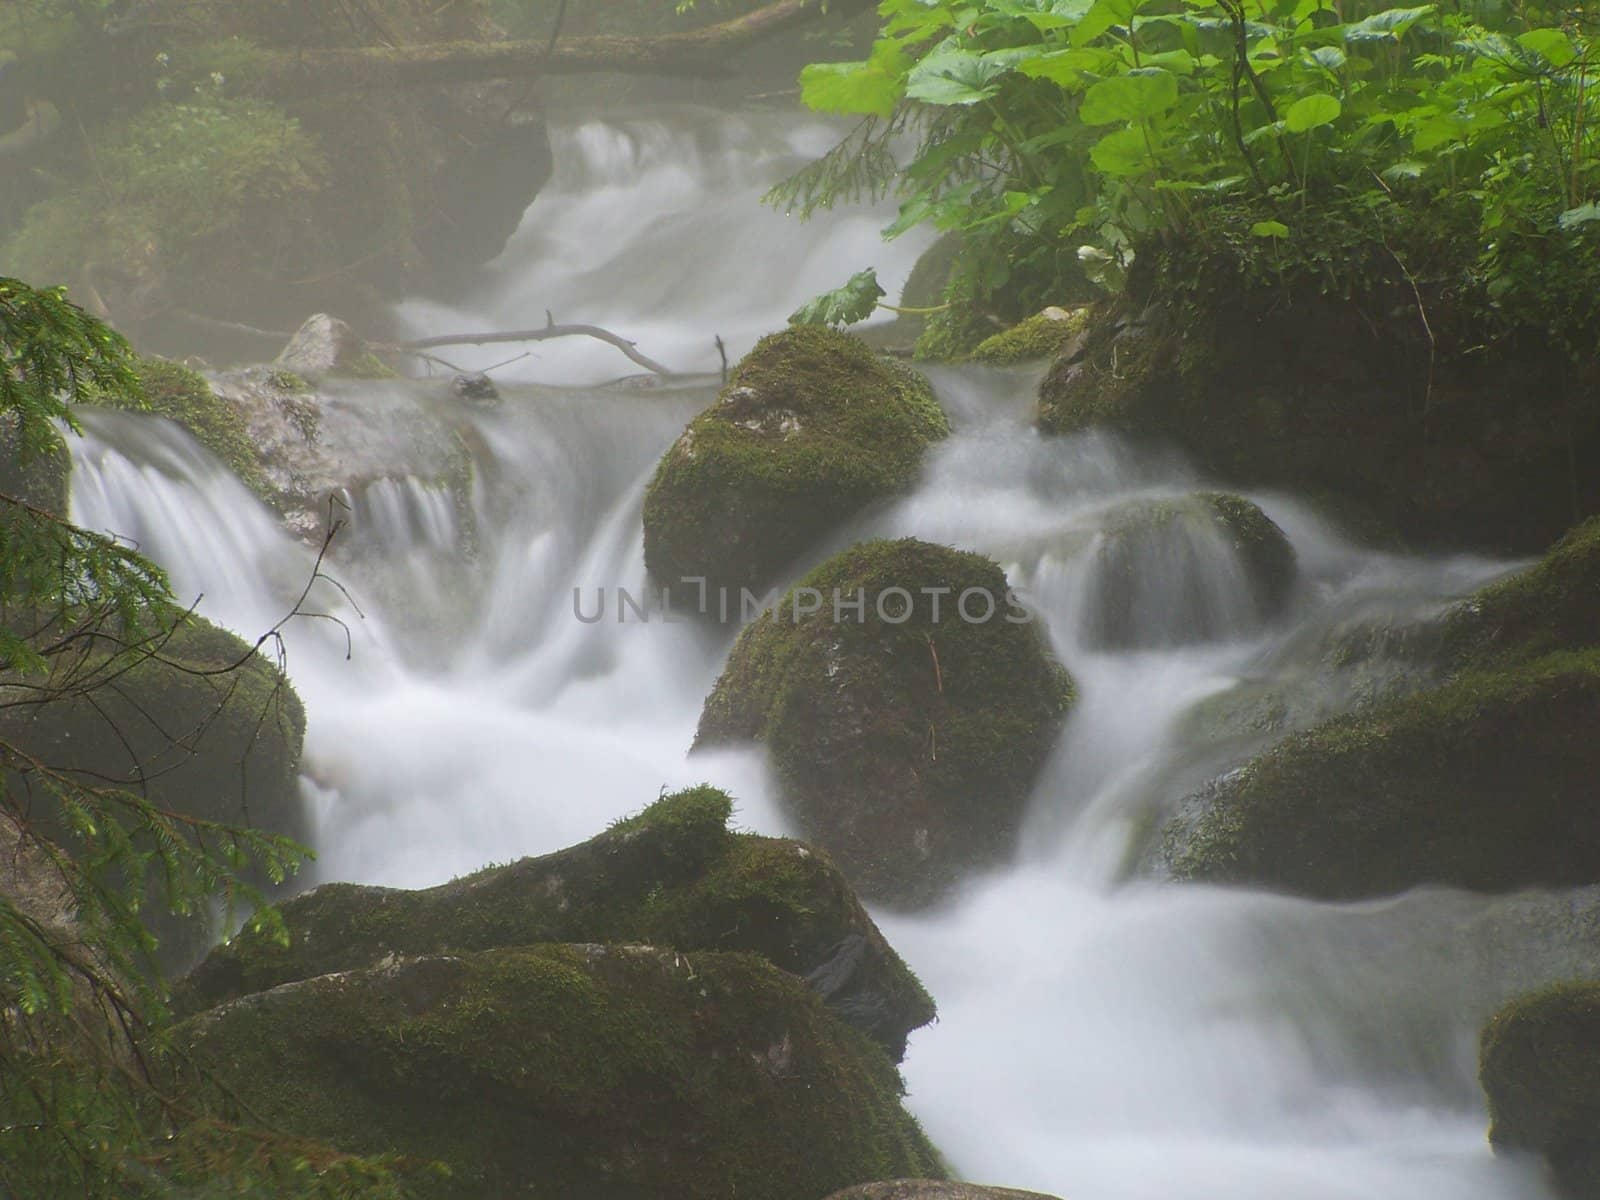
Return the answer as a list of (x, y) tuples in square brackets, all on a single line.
[(323, 346)]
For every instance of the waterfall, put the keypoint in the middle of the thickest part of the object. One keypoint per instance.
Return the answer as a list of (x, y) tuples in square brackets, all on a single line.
[(1102, 1036)]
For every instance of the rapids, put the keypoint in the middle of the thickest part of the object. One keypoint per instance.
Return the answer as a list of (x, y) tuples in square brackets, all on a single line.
[(1103, 1036)]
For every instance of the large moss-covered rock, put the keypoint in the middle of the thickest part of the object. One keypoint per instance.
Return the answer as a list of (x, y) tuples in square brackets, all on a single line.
[(1485, 783), (1540, 1068), (906, 733), (1193, 568), (673, 876), (1313, 368), (811, 428), (609, 1072)]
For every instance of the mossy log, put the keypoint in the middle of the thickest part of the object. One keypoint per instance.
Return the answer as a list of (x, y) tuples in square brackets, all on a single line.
[(700, 53)]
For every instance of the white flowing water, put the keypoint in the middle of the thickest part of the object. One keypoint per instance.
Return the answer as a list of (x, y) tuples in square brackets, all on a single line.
[(1102, 1036)]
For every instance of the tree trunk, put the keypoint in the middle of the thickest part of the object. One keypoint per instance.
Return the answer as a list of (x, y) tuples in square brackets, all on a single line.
[(696, 52)]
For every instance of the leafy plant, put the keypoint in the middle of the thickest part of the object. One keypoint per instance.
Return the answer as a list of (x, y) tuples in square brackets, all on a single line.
[(1036, 125), (93, 1102)]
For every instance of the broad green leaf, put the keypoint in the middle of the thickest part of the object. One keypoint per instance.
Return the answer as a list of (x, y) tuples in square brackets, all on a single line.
[(1122, 153), (1387, 26), (1581, 215), (1269, 229), (855, 301), (1102, 16), (1312, 112), (850, 87), (1131, 97), (1551, 44), (1068, 68), (1329, 57), (955, 77)]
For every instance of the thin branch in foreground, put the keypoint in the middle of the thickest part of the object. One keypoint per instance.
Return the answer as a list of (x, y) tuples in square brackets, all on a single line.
[(550, 330)]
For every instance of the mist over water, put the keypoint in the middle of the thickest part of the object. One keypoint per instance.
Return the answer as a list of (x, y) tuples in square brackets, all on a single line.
[(1103, 1036)]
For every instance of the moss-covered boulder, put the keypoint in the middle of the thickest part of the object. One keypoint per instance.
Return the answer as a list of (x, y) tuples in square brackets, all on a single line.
[(674, 876), (611, 1072), (907, 731), (1454, 413), (1193, 568), (1486, 783), (182, 395), (932, 1189), (1036, 339), (1540, 1069), (811, 428), (195, 720)]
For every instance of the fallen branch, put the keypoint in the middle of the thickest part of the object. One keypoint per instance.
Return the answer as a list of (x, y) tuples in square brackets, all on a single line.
[(699, 53), (550, 330)]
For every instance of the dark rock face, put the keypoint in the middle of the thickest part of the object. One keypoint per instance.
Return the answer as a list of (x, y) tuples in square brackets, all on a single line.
[(1315, 396), (1486, 781), (906, 743), (1192, 569), (810, 429), (612, 1072), (932, 1189), (673, 877), (1540, 1068)]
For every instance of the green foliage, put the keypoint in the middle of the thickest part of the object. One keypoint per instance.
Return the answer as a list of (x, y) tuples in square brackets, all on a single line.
[(178, 180), (1112, 123), (90, 1104), (855, 301)]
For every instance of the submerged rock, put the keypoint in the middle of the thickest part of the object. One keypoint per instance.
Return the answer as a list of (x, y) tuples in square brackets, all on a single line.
[(906, 734), (674, 877), (607, 1072), (1196, 568), (811, 428), (1540, 1069)]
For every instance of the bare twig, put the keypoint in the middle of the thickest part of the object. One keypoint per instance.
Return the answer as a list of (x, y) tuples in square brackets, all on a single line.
[(550, 330)]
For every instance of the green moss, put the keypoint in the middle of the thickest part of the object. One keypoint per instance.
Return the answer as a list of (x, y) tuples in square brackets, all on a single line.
[(1485, 783), (672, 876), (906, 750), (1039, 337), (366, 366), (1539, 1064), (1553, 606), (605, 1072), (177, 182), (172, 390), (811, 427), (287, 381)]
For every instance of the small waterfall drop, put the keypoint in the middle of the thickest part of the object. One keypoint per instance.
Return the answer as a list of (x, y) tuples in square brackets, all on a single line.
[(1101, 1037)]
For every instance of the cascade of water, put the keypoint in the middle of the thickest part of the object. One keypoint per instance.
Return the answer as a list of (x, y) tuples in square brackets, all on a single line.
[(1099, 1039)]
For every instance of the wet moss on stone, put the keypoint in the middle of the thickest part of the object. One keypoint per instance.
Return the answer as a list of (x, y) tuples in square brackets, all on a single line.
[(1036, 339), (611, 1072), (672, 876), (1539, 1063), (1486, 783), (811, 428), (182, 395), (905, 748)]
